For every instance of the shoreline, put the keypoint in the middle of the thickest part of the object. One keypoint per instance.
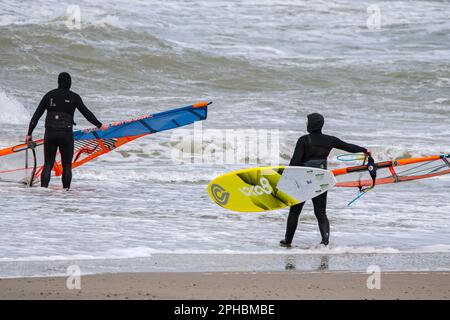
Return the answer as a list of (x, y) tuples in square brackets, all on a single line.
[(232, 285), (231, 262)]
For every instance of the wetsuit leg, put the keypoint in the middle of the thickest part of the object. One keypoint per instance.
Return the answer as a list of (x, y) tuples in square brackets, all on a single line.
[(66, 147), (320, 211), (292, 221), (50, 148)]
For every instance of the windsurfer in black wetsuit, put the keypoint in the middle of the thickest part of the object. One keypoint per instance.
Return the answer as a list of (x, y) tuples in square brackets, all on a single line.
[(60, 105), (312, 150)]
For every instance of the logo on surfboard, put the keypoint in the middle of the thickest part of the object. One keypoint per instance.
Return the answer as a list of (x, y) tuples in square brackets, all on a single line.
[(264, 188), (220, 195)]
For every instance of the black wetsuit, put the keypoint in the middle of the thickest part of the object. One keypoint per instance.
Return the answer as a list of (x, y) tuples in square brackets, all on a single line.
[(60, 105), (312, 150)]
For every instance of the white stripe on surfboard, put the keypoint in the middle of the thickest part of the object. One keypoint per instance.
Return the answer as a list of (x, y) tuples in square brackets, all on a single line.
[(304, 183)]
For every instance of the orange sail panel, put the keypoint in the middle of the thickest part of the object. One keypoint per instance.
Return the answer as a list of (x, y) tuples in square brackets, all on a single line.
[(401, 170)]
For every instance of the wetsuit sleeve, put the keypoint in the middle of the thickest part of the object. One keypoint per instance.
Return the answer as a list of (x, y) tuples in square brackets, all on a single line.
[(352, 148), (87, 113), (37, 114), (297, 157)]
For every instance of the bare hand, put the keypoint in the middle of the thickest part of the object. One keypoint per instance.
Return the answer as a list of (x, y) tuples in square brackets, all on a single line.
[(104, 127), (28, 139)]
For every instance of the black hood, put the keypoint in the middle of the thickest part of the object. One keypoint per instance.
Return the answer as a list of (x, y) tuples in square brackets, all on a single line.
[(64, 80), (315, 123)]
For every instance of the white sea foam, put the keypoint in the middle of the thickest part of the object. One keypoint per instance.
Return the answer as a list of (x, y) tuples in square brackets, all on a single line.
[(144, 252), (11, 110), (146, 174), (138, 252)]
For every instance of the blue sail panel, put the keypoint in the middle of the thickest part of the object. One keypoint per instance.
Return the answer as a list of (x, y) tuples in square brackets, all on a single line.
[(149, 124)]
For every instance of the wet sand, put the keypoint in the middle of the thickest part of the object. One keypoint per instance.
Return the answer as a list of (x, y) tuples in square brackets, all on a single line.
[(235, 285)]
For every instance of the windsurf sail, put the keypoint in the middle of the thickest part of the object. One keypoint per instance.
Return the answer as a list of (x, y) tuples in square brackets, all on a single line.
[(24, 163), (367, 176)]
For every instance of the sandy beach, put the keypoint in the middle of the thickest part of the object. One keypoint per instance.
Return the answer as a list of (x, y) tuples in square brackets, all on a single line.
[(219, 285)]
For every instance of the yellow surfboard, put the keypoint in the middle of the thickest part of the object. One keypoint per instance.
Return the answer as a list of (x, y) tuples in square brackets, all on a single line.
[(269, 188)]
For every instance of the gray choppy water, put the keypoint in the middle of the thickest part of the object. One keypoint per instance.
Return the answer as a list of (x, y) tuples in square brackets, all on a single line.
[(265, 65)]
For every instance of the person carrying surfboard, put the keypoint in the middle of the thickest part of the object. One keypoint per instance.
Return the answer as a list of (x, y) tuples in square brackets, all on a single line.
[(60, 105), (312, 150)]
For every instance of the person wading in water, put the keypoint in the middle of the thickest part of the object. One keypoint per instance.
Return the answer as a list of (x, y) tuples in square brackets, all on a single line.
[(312, 150), (60, 105)]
